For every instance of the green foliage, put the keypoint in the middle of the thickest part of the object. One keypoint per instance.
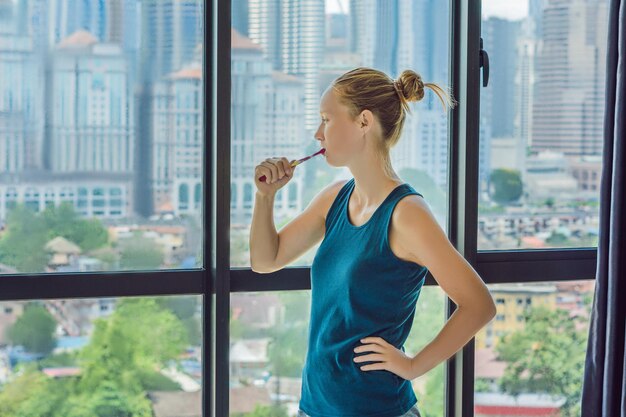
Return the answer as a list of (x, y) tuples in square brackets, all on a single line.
[(430, 314), (505, 185), (118, 365), (184, 308), (264, 411), (557, 238), (108, 400), (62, 359), (289, 338), (482, 385), (547, 356), (140, 253), (155, 381), (110, 355), (34, 329), (64, 221), (31, 394), (22, 245), (431, 404), (238, 329), (138, 337)]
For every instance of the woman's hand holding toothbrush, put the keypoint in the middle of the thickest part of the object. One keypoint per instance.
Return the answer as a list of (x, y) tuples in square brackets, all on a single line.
[(272, 174)]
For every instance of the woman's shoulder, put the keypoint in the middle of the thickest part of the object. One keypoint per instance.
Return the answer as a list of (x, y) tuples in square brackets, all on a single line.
[(330, 193)]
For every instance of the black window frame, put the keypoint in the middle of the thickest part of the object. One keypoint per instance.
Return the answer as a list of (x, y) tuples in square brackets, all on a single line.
[(217, 279)]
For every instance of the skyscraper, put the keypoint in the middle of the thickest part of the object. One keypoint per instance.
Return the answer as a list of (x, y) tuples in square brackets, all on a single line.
[(569, 87), (90, 125), (291, 35), (171, 30)]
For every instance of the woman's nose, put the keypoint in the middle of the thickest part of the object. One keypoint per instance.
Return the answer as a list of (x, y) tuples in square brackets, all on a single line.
[(319, 135)]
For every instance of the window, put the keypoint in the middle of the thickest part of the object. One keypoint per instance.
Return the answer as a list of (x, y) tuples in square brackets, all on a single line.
[(97, 61), (326, 39), (269, 344), (269, 68), (103, 275), (103, 198), (537, 210), (122, 354), (541, 124), (538, 355)]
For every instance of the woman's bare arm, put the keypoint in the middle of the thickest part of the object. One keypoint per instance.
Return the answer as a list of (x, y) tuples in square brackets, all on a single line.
[(420, 235), (271, 251)]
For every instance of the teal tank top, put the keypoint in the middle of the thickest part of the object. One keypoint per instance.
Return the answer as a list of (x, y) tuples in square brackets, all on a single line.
[(359, 288)]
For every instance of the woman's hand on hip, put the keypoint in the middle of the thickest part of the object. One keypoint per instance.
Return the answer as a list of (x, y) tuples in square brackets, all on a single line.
[(389, 357)]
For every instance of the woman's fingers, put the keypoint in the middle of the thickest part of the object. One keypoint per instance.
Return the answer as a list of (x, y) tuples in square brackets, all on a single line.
[(273, 171)]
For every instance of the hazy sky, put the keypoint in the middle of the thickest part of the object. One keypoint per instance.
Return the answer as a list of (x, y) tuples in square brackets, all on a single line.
[(508, 9)]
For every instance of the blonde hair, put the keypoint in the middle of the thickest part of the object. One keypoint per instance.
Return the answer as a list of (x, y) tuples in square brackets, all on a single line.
[(367, 88)]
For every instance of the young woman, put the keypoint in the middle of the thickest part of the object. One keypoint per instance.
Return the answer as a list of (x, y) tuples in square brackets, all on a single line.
[(379, 240)]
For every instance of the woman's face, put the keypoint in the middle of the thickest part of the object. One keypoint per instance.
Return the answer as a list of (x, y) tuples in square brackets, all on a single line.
[(338, 133)]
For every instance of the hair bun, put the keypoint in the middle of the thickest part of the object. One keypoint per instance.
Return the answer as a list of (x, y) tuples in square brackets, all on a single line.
[(410, 85)]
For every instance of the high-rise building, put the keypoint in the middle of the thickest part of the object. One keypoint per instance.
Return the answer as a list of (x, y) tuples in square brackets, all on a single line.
[(497, 104), (178, 141), (415, 39), (90, 119), (267, 109), (171, 30), (240, 19), (21, 104), (568, 101), (291, 35)]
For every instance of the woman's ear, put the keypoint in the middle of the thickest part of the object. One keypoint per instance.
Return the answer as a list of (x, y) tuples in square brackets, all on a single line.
[(365, 119)]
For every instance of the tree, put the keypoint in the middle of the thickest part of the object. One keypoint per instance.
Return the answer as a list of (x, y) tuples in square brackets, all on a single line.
[(431, 403), (34, 330), (31, 394), (185, 307), (64, 221), (136, 339), (505, 185), (120, 362), (264, 411), (428, 322), (140, 253), (22, 245), (288, 347), (547, 356)]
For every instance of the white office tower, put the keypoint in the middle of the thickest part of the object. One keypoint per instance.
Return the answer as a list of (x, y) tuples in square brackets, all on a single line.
[(291, 34), (90, 117)]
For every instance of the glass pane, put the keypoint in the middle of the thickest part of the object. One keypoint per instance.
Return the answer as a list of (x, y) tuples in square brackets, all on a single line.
[(129, 357), (101, 135), (541, 123), (530, 358), (283, 60), (268, 347)]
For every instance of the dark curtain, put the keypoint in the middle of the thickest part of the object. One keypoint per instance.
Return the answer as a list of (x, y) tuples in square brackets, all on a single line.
[(604, 383)]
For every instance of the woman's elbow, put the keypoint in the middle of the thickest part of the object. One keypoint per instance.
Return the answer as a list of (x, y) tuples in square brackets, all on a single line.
[(489, 307)]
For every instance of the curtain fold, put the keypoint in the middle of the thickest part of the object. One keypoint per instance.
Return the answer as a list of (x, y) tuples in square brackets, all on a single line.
[(604, 383)]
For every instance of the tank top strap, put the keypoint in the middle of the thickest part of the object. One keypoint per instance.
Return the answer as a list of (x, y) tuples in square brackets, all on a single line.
[(335, 208), (382, 225)]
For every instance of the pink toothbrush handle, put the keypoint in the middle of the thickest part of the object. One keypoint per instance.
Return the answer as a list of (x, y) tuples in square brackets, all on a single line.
[(299, 161)]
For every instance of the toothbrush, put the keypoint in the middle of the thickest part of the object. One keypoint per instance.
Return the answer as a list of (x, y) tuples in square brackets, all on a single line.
[(299, 161)]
